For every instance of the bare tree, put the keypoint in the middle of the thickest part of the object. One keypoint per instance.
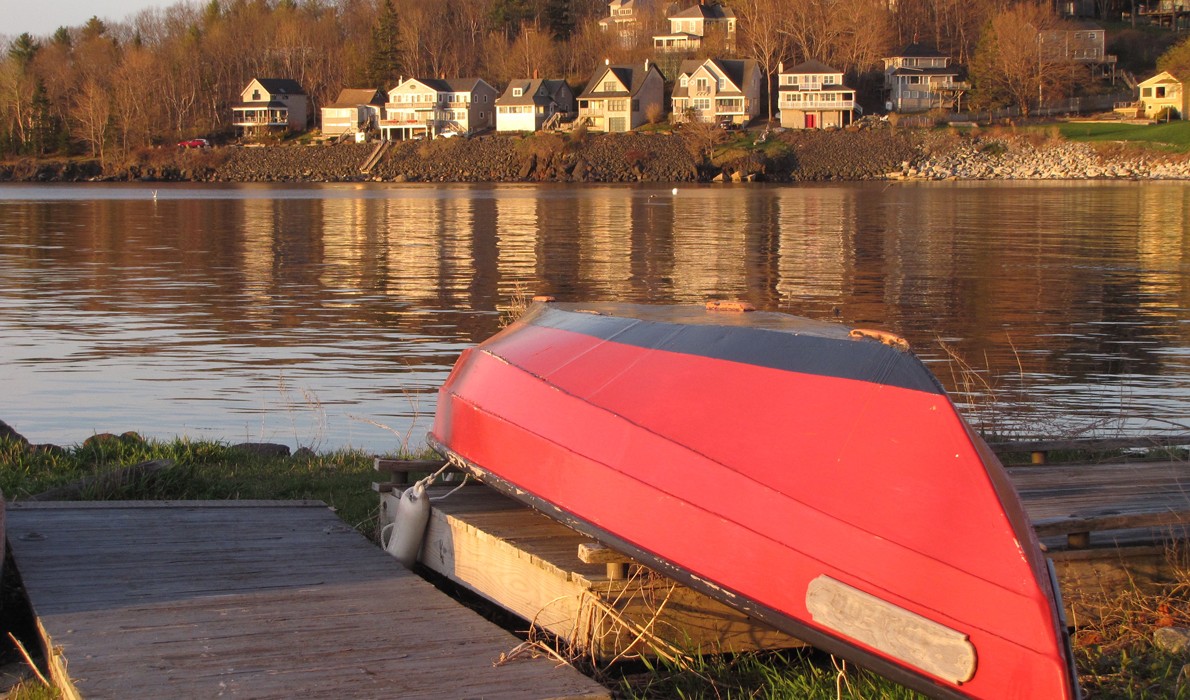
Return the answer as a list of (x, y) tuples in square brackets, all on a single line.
[(1010, 65), (763, 38)]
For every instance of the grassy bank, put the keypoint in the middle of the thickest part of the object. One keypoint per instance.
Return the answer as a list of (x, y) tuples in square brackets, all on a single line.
[(1170, 137), (1116, 656)]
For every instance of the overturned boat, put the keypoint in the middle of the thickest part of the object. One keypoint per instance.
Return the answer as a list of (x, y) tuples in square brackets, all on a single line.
[(815, 477)]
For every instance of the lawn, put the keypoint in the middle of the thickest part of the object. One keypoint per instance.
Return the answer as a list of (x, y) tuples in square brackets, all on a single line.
[(1169, 136)]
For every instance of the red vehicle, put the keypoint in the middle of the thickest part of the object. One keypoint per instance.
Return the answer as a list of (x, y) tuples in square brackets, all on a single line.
[(815, 477), (194, 143)]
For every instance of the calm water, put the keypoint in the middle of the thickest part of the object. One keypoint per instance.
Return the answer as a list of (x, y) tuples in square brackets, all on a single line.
[(326, 316)]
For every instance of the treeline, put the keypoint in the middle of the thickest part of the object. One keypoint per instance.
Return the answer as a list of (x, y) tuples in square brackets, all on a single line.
[(162, 75)]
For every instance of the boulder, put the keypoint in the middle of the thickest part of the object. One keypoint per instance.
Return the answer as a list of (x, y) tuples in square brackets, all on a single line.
[(7, 433), (263, 449), (1175, 640)]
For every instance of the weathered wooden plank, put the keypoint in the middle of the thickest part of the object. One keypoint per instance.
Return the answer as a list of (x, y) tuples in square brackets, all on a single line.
[(1089, 444), (269, 601), (529, 564)]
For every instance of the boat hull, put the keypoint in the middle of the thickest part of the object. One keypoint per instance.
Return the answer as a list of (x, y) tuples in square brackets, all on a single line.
[(818, 481)]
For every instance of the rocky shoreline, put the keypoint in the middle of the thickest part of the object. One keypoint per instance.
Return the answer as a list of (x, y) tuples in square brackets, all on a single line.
[(881, 153)]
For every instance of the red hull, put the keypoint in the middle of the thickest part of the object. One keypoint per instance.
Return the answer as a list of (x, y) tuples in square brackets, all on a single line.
[(820, 482)]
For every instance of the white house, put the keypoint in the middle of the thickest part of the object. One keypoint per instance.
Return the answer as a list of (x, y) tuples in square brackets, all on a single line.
[(621, 97), (271, 104), (919, 79), (529, 103), (812, 95), (720, 90), (354, 110), (694, 26), (427, 107)]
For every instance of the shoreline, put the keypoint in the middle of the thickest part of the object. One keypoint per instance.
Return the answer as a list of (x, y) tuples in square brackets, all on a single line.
[(869, 154)]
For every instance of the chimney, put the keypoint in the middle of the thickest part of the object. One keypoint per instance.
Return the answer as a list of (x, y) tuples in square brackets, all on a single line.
[(646, 65), (780, 66), (607, 61), (535, 75)]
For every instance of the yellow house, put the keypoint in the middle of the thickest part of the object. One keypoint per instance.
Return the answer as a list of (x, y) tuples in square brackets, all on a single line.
[(1161, 91)]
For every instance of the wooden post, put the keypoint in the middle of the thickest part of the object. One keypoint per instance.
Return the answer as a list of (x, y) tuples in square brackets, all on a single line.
[(598, 553)]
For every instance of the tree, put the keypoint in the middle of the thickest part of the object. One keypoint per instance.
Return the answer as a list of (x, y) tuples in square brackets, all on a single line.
[(763, 38), (1176, 60), (384, 60), (560, 19), (1009, 66)]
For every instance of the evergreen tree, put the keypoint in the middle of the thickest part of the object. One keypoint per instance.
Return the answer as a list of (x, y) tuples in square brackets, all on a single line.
[(384, 60), (23, 49), (559, 18), (508, 15)]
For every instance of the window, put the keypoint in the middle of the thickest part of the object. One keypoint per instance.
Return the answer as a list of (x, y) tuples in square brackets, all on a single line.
[(701, 85), (1160, 91), (1146, 92), (617, 105), (702, 104), (517, 92), (609, 86), (636, 105), (684, 80), (722, 84), (256, 95)]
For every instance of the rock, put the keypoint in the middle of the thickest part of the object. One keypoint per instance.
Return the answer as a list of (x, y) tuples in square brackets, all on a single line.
[(1175, 640), (304, 453), (100, 440), (7, 433), (263, 449)]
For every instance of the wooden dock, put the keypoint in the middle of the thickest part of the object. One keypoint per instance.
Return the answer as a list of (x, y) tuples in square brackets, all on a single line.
[(251, 599), (1107, 527)]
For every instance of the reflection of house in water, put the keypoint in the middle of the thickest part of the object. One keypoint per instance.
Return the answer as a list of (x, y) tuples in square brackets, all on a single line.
[(428, 261), (813, 246), (259, 234), (517, 229), (1163, 250), (710, 246), (350, 263), (605, 250)]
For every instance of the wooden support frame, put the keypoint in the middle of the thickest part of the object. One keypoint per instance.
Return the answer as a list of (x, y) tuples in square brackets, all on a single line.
[(561, 582)]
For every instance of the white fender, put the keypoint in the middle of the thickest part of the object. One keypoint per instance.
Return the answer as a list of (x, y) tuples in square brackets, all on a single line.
[(409, 525)]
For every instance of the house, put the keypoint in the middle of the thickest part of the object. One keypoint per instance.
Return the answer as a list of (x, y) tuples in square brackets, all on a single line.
[(622, 97), (1082, 43), (353, 111), (625, 18), (1163, 91), (704, 23), (428, 107), (529, 103), (723, 91), (812, 95), (271, 104), (919, 79)]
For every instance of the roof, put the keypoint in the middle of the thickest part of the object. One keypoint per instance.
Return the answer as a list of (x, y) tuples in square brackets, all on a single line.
[(530, 89), (917, 50), (272, 104), (910, 70), (735, 70), (1162, 77), (281, 86), (449, 84), (705, 12), (632, 76), (351, 97), (810, 67)]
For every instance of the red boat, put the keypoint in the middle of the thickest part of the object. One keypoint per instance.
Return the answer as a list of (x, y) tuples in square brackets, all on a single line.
[(815, 477)]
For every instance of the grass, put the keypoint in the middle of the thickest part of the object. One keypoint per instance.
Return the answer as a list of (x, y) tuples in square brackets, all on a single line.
[(1115, 654), (1172, 137)]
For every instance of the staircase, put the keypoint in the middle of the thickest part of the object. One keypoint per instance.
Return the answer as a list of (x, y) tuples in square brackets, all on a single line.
[(375, 156)]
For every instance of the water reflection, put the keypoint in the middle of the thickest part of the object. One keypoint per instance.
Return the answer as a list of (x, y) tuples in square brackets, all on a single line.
[(312, 315)]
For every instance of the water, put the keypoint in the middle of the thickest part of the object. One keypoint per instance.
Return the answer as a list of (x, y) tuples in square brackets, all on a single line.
[(327, 315)]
